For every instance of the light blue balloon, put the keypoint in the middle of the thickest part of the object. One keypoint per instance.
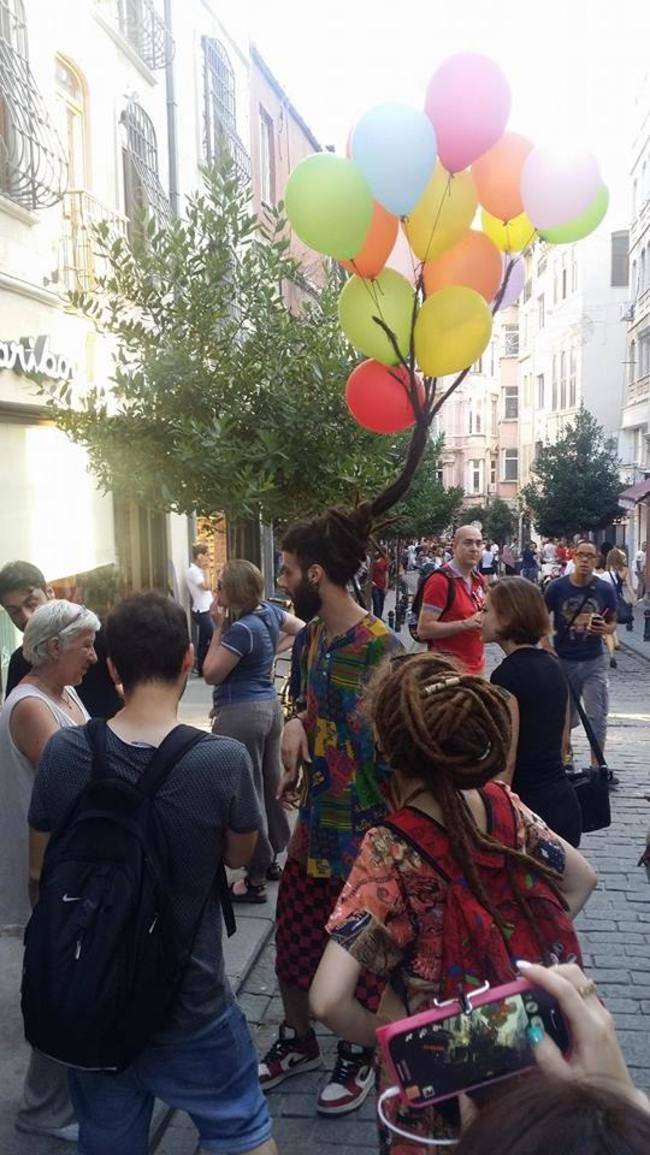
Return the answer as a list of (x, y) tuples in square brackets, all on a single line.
[(394, 145)]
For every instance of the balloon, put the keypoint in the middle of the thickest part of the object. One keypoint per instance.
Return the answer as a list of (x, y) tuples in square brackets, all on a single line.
[(443, 214), (329, 204), (509, 236), (515, 281), (389, 297), (557, 189), (379, 402), (395, 148), (377, 245), (468, 102), (475, 262), (580, 226), (497, 176), (402, 259), (452, 330)]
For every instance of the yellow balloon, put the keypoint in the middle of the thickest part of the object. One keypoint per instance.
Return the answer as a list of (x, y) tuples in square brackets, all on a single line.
[(509, 236), (442, 215), (452, 330)]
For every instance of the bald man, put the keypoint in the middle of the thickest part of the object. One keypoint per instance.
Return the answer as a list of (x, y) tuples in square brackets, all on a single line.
[(453, 604)]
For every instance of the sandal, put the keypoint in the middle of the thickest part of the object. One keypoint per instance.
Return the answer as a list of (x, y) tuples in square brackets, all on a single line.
[(274, 872), (253, 893)]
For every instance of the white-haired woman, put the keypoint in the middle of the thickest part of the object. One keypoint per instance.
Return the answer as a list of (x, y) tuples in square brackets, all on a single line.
[(59, 644)]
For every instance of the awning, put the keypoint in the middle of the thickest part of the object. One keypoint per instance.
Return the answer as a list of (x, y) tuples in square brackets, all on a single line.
[(640, 491)]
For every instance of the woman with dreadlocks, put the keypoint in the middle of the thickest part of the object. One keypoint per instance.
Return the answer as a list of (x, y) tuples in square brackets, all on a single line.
[(463, 879)]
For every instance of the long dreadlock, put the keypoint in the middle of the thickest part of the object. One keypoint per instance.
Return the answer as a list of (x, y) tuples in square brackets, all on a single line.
[(453, 731)]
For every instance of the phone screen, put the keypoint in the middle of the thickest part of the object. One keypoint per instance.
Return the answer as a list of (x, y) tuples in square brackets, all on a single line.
[(450, 1055)]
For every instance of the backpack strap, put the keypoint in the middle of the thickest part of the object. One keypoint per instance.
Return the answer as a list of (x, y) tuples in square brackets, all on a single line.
[(412, 826)]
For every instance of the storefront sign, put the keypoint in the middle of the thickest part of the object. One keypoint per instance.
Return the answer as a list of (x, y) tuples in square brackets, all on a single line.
[(33, 355)]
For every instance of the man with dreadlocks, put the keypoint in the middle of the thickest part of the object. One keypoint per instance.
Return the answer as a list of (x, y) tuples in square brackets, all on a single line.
[(341, 790), (459, 882)]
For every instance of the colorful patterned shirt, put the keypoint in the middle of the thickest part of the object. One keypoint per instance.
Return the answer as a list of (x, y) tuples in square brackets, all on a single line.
[(342, 795)]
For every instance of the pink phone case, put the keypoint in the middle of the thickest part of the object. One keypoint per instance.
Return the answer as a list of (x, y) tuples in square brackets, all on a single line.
[(436, 1014)]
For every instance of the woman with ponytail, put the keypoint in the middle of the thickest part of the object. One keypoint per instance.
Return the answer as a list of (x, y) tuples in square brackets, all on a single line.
[(458, 882)]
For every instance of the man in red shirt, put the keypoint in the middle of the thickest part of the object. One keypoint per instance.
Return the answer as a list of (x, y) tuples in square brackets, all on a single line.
[(452, 624)]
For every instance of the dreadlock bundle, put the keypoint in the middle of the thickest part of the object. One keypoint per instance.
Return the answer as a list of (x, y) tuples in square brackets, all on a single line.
[(453, 731)]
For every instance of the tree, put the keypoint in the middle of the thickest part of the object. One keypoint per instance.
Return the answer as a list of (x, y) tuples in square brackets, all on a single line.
[(221, 399), (497, 520), (575, 482), (428, 507)]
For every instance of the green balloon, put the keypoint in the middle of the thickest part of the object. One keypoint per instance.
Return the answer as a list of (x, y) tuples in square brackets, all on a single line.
[(389, 297), (580, 226), (329, 204)]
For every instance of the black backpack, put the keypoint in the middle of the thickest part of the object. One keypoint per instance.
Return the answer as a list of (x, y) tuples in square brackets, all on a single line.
[(414, 612), (103, 955)]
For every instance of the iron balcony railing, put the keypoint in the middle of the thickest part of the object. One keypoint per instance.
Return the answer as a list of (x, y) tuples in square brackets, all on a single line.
[(81, 263), (141, 24)]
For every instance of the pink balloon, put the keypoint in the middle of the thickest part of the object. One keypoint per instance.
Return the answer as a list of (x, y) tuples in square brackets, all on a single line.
[(468, 103), (515, 282), (556, 189), (403, 260)]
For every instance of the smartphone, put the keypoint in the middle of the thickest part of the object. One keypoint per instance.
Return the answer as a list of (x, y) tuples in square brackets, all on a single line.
[(443, 1051)]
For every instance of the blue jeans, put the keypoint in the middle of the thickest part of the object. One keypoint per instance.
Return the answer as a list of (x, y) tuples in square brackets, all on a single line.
[(211, 1074)]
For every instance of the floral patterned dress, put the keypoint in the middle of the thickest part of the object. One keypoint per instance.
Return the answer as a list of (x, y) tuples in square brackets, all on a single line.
[(389, 917)]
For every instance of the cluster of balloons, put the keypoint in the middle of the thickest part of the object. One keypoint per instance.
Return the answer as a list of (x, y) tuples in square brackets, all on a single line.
[(401, 214)]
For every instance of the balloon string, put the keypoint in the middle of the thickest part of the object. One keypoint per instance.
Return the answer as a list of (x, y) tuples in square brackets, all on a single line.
[(437, 218)]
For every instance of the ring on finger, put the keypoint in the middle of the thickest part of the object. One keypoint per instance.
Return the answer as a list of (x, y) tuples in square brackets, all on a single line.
[(589, 988)]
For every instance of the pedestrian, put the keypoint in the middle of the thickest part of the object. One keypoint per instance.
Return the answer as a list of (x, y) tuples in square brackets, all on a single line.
[(617, 575), (487, 563), (203, 1061), (549, 551), (453, 601), (424, 904), (380, 575), (584, 612), (530, 562), (341, 792), (200, 591), (59, 646), (240, 665), (23, 588), (640, 570), (517, 618), (509, 557)]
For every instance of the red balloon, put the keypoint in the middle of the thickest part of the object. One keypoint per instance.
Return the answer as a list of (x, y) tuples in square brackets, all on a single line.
[(377, 397)]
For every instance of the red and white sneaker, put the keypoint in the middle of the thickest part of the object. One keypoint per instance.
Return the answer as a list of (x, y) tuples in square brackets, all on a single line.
[(288, 1056), (352, 1080)]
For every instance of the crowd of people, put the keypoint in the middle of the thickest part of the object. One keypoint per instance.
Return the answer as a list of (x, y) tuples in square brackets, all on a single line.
[(433, 844)]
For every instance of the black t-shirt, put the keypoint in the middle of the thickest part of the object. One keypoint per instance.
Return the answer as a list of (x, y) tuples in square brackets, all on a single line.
[(210, 790), (538, 683), (572, 606), (97, 690)]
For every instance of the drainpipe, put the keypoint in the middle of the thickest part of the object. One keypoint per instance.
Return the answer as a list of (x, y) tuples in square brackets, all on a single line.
[(172, 139)]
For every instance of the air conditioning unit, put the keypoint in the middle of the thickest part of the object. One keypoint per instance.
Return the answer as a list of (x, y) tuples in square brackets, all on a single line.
[(627, 311)]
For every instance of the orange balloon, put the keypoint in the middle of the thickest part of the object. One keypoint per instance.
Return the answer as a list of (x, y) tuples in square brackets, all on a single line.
[(497, 176), (377, 246), (474, 262)]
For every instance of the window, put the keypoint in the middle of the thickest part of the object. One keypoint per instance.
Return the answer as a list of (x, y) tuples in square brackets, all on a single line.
[(493, 416), (562, 380), (32, 162), (511, 403), (528, 288), (620, 267), (642, 273), (220, 109), (528, 391), (556, 281), (631, 368), (540, 390), (493, 471), (471, 419), (634, 281), (142, 188), (478, 416), (478, 368), (635, 191), (525, 331), (540, 312), (475, 476), (511, 465), (554, 387), (512, 340), (146, 31), (572, 378), (492, 359), (70, 99), (267, 158), (440, 477), (564, 277), (541, 265)]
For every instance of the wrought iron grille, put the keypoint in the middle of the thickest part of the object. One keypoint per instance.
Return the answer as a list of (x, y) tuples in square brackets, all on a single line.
[(81, 264), (33, 166), (143, 188), (220, 107), (142, 25)]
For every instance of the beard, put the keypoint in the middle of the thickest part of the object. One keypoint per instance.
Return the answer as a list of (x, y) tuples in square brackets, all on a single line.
[(307, 601)]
